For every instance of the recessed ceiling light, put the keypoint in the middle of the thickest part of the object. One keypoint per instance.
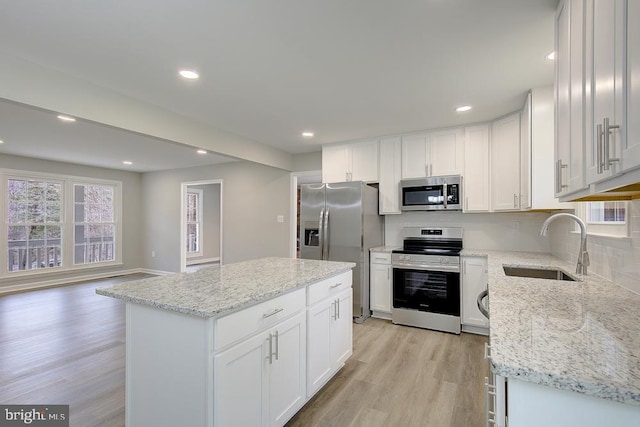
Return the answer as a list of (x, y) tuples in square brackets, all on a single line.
[(66, 118), (551, 56), (1, 141), (463, 108), (307, 134), (189, 74), (127, 162), (202, 151)]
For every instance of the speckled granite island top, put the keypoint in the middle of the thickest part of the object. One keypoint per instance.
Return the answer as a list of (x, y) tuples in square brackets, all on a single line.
[(582, 336), (216, 291)]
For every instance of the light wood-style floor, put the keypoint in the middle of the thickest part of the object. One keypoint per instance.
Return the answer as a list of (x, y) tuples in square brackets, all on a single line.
[(67, 346)]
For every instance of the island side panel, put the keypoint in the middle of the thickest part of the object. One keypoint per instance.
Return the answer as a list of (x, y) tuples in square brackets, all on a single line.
[(169, 372)]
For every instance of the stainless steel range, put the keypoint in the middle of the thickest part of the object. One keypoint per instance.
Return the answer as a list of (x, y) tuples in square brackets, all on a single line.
[(426, 279)]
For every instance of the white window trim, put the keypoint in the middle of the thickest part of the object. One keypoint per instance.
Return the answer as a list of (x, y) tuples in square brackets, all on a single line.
[(200, 193), (67, 223), (612, 230)]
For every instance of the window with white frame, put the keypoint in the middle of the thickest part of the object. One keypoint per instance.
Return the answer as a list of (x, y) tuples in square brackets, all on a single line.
[(607, 218), (34, 223), (194, 222), (94, 224), (58, 222)]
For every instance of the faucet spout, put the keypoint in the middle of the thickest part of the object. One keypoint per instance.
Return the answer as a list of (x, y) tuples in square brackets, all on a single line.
[(583, 255)]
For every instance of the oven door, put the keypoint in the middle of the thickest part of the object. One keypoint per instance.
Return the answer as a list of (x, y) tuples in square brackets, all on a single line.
[(426, 289)]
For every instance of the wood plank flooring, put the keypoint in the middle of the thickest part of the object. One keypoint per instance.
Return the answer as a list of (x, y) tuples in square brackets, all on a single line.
[(67, 345), (401, 376)]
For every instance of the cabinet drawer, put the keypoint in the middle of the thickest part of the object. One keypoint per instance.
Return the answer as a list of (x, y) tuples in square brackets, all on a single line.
[(380, 258), (238, 325), (327, 287)]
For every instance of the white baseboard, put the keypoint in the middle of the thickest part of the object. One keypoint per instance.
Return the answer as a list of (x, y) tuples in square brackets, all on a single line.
[(74, 279), (156, 272)]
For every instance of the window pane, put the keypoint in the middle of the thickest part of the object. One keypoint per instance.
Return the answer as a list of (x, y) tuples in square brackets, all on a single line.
[(607, 212), (94, 217)]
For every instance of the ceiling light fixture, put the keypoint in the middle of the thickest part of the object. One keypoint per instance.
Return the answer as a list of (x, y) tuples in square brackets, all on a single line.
[(463, 108), (66, 118), (189, 74), (1, 141), (307, 134), (202, 151), (127, 162), (551, 56)]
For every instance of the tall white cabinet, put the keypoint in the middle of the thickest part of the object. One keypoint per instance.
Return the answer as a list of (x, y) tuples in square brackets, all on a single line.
[(505, 163), (476, 169)]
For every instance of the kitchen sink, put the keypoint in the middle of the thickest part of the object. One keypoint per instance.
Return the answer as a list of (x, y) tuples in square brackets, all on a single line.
[(538, 273)]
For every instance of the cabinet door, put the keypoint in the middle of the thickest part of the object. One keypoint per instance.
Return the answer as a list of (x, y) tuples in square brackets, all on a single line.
[(563, 105), (364, 161), (342, 329), (380, 279), (239, 384), (474, 281), (631, 149), (446, 152), (415, 156), (390, 175), (476, 169), (525, 155), (505, 163), (319, 365), (607, 33), (335, 163), (287, 368)]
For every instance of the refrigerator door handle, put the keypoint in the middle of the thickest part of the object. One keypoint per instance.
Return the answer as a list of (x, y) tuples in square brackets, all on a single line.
[(326, 235), (321, 233)]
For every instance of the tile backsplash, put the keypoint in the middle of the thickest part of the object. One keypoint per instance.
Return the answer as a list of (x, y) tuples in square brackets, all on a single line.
[(615, 259)]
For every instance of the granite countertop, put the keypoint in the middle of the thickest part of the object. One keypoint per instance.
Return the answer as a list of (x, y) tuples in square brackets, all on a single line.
[(582, 336), (216, 291)]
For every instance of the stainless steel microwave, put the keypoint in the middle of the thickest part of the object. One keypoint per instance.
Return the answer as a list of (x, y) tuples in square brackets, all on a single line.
[(432, 193)]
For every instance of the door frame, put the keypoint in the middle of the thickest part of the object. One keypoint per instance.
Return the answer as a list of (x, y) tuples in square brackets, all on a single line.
[(183, 223)]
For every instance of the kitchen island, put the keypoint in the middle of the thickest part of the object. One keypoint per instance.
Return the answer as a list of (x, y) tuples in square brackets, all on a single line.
[(569, 350), (244, 344)]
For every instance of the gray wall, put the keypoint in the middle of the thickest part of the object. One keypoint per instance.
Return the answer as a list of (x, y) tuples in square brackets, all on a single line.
[(307, 162), (131, 209), (210, 221), (253, 196)]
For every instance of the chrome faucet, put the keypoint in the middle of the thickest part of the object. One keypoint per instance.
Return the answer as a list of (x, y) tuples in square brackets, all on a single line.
[(583, 256)]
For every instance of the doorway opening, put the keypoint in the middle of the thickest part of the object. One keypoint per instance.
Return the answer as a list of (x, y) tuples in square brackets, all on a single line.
[(201, 225), (298, 178)]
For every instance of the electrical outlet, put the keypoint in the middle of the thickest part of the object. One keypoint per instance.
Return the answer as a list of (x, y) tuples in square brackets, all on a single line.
[(153, 254), (280, 218)]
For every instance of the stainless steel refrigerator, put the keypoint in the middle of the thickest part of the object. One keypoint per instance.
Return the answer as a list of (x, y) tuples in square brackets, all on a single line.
[(340, 222)]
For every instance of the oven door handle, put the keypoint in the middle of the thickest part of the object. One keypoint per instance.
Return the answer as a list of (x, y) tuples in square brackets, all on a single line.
[(439, 268)]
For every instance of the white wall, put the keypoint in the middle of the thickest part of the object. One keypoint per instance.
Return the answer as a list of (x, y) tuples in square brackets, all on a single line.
[(131, 211), (615, 259), (253, 196), (495, 231)]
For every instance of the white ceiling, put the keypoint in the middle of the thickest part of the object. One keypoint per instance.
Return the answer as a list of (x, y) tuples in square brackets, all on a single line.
[(272, 68)]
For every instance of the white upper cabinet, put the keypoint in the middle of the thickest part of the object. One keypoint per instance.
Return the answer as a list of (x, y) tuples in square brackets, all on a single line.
[(631, 147), (350, 162), (433, 154), (605, 35), (505, 163), (570, 93), (447, 152), (415, 156), (597, 75), (476, 169), (525, 154), (390, 175)]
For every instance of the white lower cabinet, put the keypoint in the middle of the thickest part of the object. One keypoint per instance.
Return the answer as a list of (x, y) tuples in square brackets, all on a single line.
[(380, 284), (329, 338), (534, 405), (261, 381), (474, 281)]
